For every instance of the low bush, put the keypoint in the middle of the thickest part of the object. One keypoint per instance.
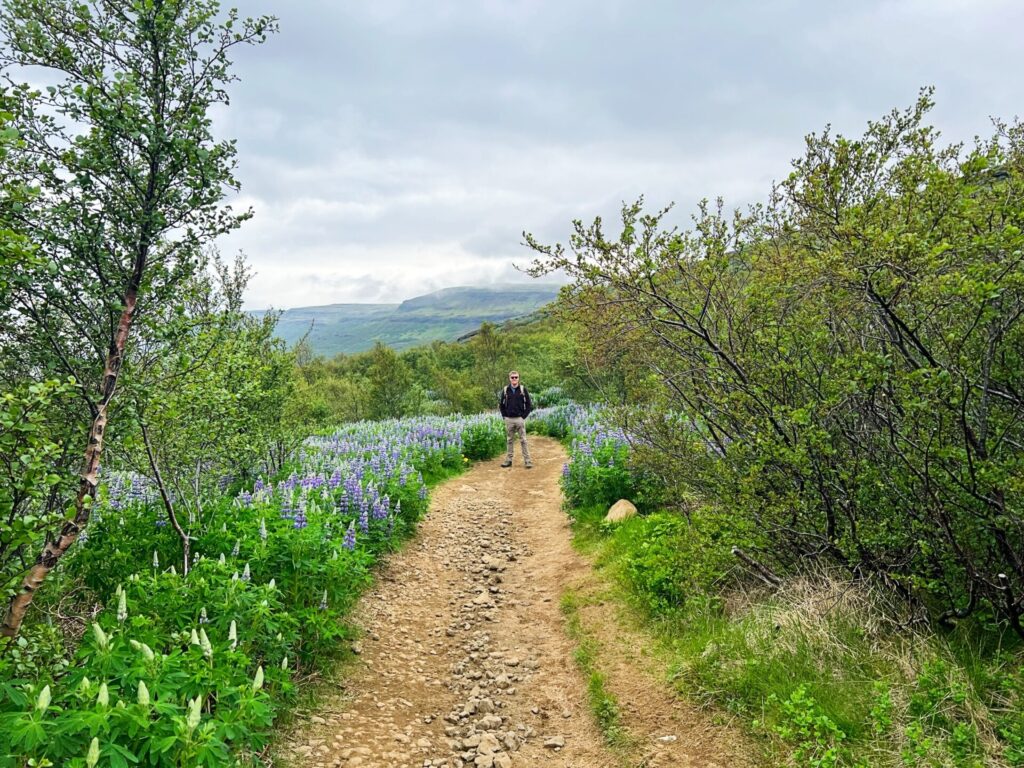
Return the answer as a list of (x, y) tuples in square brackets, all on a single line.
[(824, 668), (483, 439)]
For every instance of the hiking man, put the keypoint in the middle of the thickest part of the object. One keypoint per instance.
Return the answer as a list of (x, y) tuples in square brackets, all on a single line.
[(515, 406)]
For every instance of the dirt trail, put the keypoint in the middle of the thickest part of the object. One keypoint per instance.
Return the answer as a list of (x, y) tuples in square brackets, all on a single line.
[(465, 661)]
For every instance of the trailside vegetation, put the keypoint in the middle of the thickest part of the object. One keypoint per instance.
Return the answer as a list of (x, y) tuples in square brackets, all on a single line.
[(128, 182), (841, 367), (817, 402), (440, 378), (824, 668)]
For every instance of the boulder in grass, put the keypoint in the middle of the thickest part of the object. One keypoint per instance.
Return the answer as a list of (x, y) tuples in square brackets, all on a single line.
[(620, 510)]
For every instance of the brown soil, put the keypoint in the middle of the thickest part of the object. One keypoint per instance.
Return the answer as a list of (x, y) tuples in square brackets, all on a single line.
[(465, 660)]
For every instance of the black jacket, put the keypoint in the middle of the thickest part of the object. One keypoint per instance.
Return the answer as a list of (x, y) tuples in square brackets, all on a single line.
[(515, 403)]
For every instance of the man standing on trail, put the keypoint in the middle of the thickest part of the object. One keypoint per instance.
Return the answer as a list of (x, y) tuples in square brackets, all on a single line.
[(515, 406)]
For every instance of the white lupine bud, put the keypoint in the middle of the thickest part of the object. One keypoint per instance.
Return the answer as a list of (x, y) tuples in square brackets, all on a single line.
[(195, 637), (246, 574), (323, 601), (257, 681), (204, 643), (237, 548), (122, 605), (263, 529), (273, 584), (101, 637), (156, 559), (234, 576), (233, 635), (222, 559), (202, 615), (147, 652), (93, 755), (43, 700), (195, 712), (174, 571), (143, 693), (280, 637), (284, 663), (103, 697), (264, 603), (223, 527)]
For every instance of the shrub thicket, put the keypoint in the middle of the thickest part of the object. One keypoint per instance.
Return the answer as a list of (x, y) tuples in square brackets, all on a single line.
[(841, 368)]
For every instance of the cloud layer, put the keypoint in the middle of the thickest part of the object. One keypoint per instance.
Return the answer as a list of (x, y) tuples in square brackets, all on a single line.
[(394, 147)]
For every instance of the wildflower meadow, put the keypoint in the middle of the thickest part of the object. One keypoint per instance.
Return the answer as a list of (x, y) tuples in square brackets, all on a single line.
[(176, 670)]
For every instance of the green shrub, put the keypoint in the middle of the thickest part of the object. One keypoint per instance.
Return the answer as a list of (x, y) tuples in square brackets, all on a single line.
[(483, 440)]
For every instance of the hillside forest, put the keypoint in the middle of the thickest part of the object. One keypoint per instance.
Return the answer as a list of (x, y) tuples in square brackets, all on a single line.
[(816, 404)]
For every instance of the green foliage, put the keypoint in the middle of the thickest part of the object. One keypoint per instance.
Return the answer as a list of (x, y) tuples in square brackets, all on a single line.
[(127, 182), (603, 703), (483, 440), (391, 394), (817, 738), (841, 367), (667, 560), (31, 476), (815, 665), (440, 378), (265, 601)]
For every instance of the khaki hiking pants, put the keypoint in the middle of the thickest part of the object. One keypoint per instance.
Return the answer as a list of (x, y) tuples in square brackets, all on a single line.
[(513, 426)]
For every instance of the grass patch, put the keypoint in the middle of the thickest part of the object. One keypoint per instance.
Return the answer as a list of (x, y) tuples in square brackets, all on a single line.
[(815, 668), (603, 704)]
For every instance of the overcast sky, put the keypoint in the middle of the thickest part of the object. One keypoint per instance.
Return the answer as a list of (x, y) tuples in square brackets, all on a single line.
[(392, 147)]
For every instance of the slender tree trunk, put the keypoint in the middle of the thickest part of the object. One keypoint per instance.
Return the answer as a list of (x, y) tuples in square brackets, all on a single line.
[(58, 545), (168, 506)]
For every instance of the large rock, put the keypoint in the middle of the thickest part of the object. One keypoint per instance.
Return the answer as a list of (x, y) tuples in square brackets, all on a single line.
[(621, 510)]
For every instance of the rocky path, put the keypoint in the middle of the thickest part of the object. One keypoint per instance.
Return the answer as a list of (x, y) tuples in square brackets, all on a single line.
[(465, 661)]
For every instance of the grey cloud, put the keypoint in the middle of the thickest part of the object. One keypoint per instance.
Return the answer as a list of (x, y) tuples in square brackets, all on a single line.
[(426, 136)]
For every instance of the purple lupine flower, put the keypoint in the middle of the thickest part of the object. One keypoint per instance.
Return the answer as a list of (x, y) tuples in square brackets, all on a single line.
[(349, 542)]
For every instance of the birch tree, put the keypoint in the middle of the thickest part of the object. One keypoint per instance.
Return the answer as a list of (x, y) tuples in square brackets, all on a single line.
[(130, 182)]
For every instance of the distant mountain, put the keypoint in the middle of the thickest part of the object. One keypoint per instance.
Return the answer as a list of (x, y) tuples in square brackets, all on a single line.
[(443, 315)]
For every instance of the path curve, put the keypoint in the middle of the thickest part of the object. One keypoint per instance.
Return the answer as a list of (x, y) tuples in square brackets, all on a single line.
[(464, 660)]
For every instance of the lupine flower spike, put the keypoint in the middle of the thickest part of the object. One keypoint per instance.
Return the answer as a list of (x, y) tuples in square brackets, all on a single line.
[(122, 606), (93, 755)]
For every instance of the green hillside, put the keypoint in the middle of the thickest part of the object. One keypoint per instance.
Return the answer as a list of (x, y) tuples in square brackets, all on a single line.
[(442, 315)]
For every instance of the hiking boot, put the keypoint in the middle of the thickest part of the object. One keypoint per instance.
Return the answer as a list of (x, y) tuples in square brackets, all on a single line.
[(507, 463), (529, 465)]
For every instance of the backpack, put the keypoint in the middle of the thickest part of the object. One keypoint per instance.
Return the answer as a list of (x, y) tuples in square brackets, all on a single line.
[(505, 391)]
